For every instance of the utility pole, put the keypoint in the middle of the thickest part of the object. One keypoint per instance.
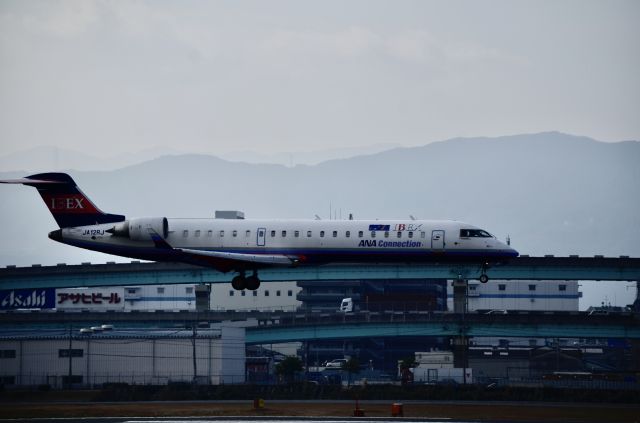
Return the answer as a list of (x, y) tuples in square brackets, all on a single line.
[(70, 358), (193, 351)]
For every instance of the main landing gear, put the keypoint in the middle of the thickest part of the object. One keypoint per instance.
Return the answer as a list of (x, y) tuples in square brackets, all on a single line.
[(241, 282)]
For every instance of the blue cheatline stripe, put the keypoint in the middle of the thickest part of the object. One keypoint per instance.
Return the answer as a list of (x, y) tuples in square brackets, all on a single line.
[(572, 296)]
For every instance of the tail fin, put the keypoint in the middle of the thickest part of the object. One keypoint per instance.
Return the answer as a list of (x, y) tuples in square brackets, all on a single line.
[(68, 205)]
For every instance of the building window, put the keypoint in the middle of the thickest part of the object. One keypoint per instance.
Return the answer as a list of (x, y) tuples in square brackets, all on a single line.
[(289, 293), (347, 234), (185, 233), (266, 293), (533, 342), (273, 234), (472, 287), (399, 234), (232, 293), (221, 234), (64, 353), (160, 290), (278, 293), (502, 287), (234, 234), (296, 234), (335, 234), (308, 234), (189, 290), (321, 234), (7, 380), (532, 287), (198, 233), (7, 353), (562, 287), (360, 234), (284, 234)]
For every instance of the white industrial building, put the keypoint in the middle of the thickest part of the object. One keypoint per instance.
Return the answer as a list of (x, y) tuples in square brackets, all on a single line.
[(140, 356), (270, 296), (526, 295)]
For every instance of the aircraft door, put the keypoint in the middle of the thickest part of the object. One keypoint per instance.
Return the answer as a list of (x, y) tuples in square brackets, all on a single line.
[(261, 237), (437, 240)]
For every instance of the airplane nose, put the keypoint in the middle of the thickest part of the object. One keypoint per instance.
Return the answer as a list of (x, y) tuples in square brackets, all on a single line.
[(56, 235)]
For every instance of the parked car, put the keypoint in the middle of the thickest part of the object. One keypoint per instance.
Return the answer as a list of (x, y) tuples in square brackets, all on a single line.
[(336, 364)]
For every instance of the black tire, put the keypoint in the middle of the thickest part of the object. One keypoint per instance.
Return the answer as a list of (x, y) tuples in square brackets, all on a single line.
[(239, 283), (484, 278), (252, 283)]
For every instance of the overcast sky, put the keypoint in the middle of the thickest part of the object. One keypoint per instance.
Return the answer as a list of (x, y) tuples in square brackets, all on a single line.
[(106, 77)]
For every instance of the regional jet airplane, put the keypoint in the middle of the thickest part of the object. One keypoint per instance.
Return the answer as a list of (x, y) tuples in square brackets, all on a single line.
[(242, 246)]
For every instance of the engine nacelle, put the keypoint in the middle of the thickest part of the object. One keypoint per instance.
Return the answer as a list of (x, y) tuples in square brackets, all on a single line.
[(141, 228)]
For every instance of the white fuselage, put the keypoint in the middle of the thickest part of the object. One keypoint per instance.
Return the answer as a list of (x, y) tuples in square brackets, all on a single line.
[(317, 241)]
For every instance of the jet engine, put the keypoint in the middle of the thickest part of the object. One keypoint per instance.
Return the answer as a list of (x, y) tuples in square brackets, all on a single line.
[(141, 228)]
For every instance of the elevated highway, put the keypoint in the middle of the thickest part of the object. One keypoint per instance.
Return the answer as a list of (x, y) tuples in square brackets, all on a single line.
[(136, 273), (278, 327)]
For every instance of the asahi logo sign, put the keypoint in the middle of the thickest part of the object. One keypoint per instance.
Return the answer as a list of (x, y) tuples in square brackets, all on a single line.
[(27, 298)]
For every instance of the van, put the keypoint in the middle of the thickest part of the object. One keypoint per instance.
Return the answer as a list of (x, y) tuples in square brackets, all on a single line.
[(346, 306)]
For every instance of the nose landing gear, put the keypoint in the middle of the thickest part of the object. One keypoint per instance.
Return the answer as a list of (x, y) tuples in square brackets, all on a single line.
[(483, 276), (241, 281)]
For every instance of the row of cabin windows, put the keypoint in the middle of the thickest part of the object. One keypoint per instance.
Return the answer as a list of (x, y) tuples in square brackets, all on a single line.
[(160, 290), (296, 234), (266, 293)]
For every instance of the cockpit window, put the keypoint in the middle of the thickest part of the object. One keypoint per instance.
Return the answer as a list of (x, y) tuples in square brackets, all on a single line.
[(474, 233)]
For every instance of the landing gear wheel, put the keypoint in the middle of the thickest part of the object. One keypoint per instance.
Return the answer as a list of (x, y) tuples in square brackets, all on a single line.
[(484, 278), (253, 282), (239, 282)]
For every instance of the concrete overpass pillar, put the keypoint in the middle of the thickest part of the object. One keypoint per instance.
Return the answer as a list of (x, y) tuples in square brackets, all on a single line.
[(460, 287)]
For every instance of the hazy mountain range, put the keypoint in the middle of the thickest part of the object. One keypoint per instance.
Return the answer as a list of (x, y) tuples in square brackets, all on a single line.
[(49, 158), (552, 193)]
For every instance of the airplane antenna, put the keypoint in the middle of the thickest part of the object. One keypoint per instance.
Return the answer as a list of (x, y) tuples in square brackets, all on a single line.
[(318, 217), (508, 240), (411, 216), (350, 216)]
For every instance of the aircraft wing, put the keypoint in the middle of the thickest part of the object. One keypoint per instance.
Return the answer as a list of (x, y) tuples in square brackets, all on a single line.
[(226, 261), (280, 259)]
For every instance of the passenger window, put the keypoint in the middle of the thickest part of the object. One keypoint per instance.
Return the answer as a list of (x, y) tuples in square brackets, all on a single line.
[(423, 234), (209, 233), (185, 233), (347, 234), (386, 234), (335, 234), (399, 234), (308, 234), (321, 234), (296, 234), (273, 233), (247, 234), (284, 234), (410, 234), (198, 233), (360, 234), (234, 233), (221, 234), (373, 234)]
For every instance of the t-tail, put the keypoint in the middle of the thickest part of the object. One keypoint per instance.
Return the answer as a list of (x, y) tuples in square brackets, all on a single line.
[(66, 202)]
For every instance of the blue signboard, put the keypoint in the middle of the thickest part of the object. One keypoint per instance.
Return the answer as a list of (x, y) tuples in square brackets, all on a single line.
[(27, 298)]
